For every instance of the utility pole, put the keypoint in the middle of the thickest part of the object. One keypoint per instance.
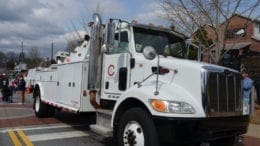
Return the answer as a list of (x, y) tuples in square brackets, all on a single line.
[(52, 47), (21, 58), (22, 53)]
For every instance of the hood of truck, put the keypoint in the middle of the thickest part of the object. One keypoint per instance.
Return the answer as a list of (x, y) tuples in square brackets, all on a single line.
[(190, 63), (184, 81), (184, 78)]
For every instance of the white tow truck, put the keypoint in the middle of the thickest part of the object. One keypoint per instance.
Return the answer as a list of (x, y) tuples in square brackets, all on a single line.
[(145, 91)]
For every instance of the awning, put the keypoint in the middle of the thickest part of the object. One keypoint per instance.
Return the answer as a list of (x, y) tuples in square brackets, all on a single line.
[(237, 46)]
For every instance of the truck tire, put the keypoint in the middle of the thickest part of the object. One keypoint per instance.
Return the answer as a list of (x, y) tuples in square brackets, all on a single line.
[(136, 127), (229, 141), (51, 111), (40, 109)]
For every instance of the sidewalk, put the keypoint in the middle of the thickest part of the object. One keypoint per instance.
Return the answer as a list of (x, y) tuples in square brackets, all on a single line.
[(16, 115), (253, 131), (255, 118), (254, 126), (15, 110), (16, 99)]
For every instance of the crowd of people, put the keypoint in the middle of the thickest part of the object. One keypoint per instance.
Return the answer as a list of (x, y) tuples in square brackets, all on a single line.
[(10, 84)]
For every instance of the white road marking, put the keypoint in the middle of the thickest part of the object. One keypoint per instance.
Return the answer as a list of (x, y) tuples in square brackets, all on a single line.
[(36, 127), (58, 135)]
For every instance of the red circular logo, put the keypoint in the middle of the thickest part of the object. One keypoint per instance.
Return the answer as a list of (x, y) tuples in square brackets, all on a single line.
[(111, 70)]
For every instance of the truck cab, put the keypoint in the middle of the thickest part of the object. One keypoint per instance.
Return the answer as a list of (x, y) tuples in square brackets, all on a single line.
[(148, 73)]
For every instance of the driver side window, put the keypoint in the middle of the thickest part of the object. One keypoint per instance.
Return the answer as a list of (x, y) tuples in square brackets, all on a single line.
[(122, 45)]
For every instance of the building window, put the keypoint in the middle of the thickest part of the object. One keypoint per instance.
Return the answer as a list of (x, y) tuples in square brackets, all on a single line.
[(236, 32)]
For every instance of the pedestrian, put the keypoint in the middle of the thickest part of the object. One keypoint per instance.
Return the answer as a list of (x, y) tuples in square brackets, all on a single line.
[(15, 83), (21, 88), (11, 88), (5, 88), (247, 87)]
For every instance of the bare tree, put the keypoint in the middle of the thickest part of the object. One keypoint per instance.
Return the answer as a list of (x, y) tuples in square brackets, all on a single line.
[(191, 15), (2, 57), (11, 58), (34, 57), (75, 38)]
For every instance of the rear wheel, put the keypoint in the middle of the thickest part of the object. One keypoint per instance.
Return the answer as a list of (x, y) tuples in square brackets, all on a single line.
[(136, 128), (41, 109)]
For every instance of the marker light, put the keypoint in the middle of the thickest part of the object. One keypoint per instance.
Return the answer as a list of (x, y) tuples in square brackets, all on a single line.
[(172, 107), (159, 105), (84, 93), (162, 70)]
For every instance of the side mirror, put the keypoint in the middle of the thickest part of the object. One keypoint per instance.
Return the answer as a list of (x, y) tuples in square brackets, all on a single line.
[(149, 52), (109, 36)]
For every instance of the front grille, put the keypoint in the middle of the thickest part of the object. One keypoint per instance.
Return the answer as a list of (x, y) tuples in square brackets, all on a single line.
[(222, 92)]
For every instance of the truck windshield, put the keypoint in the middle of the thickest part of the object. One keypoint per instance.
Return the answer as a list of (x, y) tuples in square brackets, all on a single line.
[(166, 44)]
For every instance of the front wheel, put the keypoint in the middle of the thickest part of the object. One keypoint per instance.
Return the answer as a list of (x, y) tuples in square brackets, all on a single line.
[(229, 141), (136, 128)]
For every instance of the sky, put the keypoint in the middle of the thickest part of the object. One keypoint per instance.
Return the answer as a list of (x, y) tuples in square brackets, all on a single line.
[(41, 22), (38, 23)]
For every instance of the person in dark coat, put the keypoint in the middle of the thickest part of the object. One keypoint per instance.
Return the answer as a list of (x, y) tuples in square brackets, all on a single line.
[(5, 88), (21, 88)]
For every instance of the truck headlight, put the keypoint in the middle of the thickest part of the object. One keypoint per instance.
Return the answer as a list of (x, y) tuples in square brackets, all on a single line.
[(172, 107)]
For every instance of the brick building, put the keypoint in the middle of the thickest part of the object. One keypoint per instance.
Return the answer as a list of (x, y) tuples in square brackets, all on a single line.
[(242, 45), (242, 33)]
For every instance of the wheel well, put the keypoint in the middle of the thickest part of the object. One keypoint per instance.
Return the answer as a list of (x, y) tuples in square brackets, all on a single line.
[(36, 88), (127, 104)]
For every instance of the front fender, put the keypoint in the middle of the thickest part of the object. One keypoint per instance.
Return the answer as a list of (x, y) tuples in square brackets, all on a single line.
[(40, 86), (169, 92), (134, 93)]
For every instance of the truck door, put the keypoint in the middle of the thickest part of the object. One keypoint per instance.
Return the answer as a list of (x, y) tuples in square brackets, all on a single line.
[(116, 66)]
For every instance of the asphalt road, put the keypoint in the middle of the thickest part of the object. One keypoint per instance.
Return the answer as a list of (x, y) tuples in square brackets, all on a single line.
[(19, 126), (58, 135)]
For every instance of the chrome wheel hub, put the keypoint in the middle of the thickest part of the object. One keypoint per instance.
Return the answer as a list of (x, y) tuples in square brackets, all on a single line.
[(133, 134)]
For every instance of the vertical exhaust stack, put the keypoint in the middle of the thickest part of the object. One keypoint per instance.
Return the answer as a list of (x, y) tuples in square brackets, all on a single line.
[(94, 71), (95, 54)]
